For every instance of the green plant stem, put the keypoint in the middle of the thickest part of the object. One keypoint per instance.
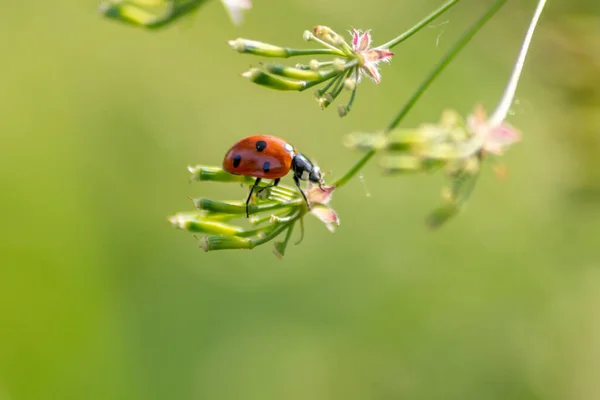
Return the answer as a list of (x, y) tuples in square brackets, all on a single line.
[(329, 85), (331, 74), (337, 89), (422, 24), (308, 52), (275, 232), (452, 53), (353, 94), (331, 47), (507, 98)]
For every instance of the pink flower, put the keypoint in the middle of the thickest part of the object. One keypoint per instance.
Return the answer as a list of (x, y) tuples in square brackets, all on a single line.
[(235, 7), (368, 58), (495, 138), (319, 199)]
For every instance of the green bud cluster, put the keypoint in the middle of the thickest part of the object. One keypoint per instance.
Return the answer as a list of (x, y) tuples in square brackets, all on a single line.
[(448, 146), (337, 74), (270, 215)]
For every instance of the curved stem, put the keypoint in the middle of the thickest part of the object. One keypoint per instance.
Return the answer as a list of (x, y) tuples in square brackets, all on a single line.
[(507, 98), (422, 24), (353, 171), (452, 53)]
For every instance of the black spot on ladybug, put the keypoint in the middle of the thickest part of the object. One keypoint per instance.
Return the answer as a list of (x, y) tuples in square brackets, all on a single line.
[(236, 160), (261, 145), (266, 166)]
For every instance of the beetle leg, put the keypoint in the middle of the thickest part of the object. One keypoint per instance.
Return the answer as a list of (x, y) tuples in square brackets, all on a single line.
[(297, 182), (256, 182), (274, 183)]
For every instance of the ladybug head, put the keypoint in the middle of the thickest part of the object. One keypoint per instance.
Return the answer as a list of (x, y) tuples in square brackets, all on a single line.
[(305, 170)]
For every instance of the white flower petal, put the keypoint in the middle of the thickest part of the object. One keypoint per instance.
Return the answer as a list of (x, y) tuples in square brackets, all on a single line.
[(327, 215), (235, 7), (320, 196)]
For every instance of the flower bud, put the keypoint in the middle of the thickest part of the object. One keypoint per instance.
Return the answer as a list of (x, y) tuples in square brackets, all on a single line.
[(472, 165), (219, 206), (327, 99), (257, 48), (191, 223), (401, 163), (440, 151), (322, 30), (203, 173), (212, 242), (279, 249), (339, 64), (271, 81), (294, 73), (365, 141), (314, 64), (350, 84), (321, 101), (328, 35), (137, 14), (414, 141)]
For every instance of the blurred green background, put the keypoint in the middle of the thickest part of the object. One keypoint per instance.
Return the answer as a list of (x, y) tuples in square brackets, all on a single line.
[(100, 298)]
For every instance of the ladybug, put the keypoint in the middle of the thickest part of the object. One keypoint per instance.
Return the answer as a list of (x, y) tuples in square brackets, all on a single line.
[(270, 157)]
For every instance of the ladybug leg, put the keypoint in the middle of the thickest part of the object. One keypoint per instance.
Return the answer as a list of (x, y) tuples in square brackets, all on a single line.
[(297, 182), (274, 183), (256, 182)]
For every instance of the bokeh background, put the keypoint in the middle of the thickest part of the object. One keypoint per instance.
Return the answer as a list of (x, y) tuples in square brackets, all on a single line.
[(100, 298)]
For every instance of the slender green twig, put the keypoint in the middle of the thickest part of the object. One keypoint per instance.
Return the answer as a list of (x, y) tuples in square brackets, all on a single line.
[(275, 232), (329, 85), (348, 66), (307, 52), (507, 98), (422, 24), (435, 72), (332, 48)]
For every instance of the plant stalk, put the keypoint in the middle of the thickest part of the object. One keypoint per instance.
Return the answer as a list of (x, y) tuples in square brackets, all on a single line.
[(422, 24), (501, 111), (435, 72)]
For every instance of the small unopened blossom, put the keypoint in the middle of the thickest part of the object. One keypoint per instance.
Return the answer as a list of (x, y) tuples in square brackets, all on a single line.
[(274, 214), (368, 57), (495, 138), (347, 62), (455, 145), (154, 14)]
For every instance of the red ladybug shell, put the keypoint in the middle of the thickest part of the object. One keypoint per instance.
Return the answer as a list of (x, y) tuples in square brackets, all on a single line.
[(260, 156)]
